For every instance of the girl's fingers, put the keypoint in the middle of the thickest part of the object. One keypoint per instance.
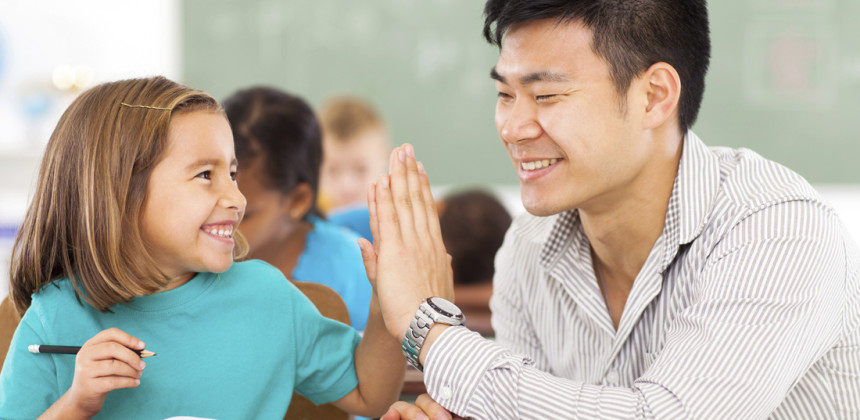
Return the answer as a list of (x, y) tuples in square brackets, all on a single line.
[(368, 255), (111, 351), (110, 383), (112, 367), (371, 210), (119, 336)]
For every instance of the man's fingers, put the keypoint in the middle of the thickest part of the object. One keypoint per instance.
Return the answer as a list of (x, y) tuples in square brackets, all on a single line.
[(404, 411), (400, 193), (413, 183), (388, 226), (432, 408), (391, 414), (429, 204)]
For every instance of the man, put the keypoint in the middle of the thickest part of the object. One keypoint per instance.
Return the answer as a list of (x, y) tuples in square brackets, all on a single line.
[(654, 277)]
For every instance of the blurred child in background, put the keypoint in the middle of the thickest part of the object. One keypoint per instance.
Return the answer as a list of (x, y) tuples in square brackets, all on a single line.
[(355, 153), (279, 147), (473, 223)]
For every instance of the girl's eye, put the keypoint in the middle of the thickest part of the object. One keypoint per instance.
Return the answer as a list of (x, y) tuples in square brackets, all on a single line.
[(233, 175), (205, 175)]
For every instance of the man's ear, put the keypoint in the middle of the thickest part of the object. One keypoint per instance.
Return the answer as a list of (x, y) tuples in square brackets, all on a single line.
[(299, 202), (663, 93)]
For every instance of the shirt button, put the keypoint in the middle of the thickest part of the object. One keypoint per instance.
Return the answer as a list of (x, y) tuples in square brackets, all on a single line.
[(612, 377), (445, 393)]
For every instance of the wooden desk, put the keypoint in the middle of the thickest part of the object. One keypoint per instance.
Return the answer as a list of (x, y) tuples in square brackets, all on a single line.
[(413, 384)]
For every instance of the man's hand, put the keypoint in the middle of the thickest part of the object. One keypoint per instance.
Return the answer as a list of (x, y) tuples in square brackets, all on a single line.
[(407, 261), (424, 409)]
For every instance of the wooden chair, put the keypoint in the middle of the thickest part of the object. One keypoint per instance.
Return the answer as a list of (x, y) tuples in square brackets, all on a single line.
[(8, 322), (326, 300), (331, 306), (474, 301)]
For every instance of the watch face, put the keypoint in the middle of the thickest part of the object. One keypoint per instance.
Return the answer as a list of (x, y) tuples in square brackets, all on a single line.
[(445, 307)]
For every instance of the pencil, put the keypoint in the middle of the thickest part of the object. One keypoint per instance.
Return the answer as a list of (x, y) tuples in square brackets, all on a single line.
[(43, 348)]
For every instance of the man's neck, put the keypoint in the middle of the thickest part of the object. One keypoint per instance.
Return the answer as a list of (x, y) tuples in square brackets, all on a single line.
[(622, 230)]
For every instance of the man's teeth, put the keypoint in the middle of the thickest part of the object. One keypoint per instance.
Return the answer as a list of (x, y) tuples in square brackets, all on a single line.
[(222, 231), (538, 164)]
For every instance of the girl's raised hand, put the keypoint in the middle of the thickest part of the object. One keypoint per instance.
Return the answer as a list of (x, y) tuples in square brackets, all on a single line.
[(105, 362)]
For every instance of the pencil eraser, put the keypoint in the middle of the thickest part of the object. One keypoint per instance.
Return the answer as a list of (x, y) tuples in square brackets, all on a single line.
[(34, 348)]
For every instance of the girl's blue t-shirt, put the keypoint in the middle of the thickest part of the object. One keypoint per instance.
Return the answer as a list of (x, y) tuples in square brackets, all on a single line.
[(332, 257), (229, 345)]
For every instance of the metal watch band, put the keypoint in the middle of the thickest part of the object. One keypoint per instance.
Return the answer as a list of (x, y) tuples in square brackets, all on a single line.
[(424, 318)]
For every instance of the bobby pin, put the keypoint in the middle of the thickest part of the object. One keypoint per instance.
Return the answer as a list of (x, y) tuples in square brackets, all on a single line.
[(147, 107)]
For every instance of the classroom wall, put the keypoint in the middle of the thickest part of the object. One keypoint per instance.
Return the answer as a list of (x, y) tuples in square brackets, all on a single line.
[(784, 80), (49, 51)]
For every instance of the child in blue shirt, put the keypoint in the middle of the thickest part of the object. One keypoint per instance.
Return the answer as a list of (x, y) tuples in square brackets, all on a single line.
[(131, 237), (279, 147)]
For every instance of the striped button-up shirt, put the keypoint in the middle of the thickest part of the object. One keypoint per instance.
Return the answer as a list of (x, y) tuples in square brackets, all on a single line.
[(748, 307)]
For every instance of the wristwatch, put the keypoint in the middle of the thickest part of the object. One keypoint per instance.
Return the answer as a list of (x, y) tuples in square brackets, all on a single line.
[(431, 311)]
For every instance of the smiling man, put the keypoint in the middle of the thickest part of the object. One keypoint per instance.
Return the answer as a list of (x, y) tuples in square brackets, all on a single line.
[(655, 277)]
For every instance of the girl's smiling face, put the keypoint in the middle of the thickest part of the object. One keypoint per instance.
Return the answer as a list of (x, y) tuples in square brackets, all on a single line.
[(193, 204)]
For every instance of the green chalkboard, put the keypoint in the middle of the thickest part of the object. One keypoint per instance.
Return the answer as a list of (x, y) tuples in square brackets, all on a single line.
[(784, 80)]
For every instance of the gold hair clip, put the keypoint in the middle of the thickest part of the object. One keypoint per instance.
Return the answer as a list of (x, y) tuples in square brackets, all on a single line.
[(147, 107)]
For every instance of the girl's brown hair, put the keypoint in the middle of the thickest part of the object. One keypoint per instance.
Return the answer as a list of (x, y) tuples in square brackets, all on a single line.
[(84, 220)]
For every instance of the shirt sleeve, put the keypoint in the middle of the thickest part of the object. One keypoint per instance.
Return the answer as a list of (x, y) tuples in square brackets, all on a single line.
[(325, 351), (511, 323), (28, 383), (774, 285)]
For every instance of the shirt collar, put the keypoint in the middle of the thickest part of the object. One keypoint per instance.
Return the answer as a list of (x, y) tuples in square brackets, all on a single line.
[(690, 204), (697, 183)]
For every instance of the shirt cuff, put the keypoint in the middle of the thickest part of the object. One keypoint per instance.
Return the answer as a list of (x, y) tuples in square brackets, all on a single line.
[(456, 363)]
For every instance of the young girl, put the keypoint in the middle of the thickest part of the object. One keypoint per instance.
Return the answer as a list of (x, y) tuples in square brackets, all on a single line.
[(129, 244), (279, 147)]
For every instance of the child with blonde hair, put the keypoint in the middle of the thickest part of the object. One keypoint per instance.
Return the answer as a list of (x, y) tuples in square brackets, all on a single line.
[(129, 244), (355, 152)]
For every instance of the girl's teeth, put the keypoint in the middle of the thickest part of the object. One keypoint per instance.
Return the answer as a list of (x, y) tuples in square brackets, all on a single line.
[(224, 233)]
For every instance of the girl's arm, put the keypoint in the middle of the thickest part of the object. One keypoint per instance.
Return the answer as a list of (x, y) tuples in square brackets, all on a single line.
[(105, 362), (379, 364)]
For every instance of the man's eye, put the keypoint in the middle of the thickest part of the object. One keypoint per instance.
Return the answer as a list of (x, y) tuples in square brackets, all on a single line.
[(205, 175), (544, 98)]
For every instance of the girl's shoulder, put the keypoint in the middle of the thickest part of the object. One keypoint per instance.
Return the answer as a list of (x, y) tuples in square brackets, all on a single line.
[(56, 300), (257, 268), (258, 277), (56, 292)]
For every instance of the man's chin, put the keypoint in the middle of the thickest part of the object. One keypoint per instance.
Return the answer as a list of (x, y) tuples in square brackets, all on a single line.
[(538, 207)]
